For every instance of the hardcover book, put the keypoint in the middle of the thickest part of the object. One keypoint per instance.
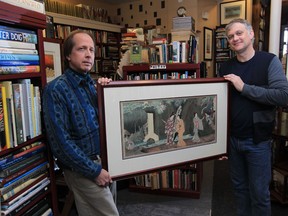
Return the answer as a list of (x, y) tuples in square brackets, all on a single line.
[(18, 51), (19, 69), (15, 34), (18, 62), (17, 44), (14, 57), (11, 112)]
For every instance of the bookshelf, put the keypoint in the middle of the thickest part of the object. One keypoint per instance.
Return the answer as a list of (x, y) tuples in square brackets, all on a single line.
[(222, 50), (178, 181), (184, 181), (260, 23), (107, 41), (161, 71), (279, 186), (20, 18)]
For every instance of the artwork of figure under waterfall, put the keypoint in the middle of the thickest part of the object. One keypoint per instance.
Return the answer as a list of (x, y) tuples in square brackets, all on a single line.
[(167, 124)]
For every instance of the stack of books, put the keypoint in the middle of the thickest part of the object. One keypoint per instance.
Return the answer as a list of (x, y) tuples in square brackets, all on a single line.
[(23, 179), (184, 23), (18, 53)]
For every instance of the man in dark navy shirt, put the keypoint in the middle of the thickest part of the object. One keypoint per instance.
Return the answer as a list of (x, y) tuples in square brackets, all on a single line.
[(70, 115), (259, 85)]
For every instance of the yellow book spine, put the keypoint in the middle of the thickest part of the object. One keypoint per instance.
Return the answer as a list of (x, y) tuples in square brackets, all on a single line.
[(6, 123)]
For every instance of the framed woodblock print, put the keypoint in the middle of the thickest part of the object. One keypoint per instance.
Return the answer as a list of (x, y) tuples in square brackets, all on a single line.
[(232, 10), (153, 124)]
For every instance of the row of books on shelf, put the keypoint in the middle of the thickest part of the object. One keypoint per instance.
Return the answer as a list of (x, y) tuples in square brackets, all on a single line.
[(79, 10), (181, 179), (175, 52), (18, 53), (20, 107), (23, 179), (162, 75)]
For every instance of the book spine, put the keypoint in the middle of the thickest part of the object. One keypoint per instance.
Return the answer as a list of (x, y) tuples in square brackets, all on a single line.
[(29, 5), (19, 69), (17, 44), (28, 190), (9, 94), (15, 191), (18, 51), (11, 35), (16, 57), (18, 105), (2, 124), (20, 181), (13, 177), (28, 153), (6, 123), (21, 165), (27, 107), (18, 63)]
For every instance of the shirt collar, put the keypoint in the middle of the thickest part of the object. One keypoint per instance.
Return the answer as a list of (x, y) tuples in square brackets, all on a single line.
[(78, 78)]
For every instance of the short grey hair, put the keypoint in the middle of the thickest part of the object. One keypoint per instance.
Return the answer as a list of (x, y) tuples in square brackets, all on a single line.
[(247, 25)]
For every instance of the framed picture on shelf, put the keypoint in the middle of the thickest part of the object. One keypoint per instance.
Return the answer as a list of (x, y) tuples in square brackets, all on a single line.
[(53, 58), (232, 10), (208, 44), (157, 124)]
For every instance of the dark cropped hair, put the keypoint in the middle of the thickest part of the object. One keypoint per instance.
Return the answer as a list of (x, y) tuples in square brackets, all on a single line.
[(69, 44)]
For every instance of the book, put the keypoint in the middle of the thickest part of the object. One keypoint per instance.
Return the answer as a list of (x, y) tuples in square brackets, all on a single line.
[(37, 113), (17, 44), (17, 57), (16, 34), (38, 208), (40, 169), (5, 116), (18, 51), (19, 112), (11, 112), (21, 188), (21, 155), (19, 69), (27, 99), (14, 57), (21, 164), (28, 190), (18, 62), (18, 174), (32, 5), (26, 199)]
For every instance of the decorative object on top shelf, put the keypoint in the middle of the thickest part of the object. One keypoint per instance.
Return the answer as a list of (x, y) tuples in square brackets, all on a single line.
[(232, 10), (208, 44), (53, 61), (181, 11), (144, 130)]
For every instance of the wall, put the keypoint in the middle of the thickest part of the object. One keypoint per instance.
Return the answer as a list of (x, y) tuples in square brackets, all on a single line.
[(153, 12)]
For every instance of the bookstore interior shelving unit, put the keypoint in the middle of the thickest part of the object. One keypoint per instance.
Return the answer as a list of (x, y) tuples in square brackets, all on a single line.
[(222, 50), (279, 186), (107, 41), (161, 71), (178, 181), (20, 19), (260, 23)]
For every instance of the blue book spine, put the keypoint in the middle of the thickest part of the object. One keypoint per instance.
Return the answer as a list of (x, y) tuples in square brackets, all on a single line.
[(21, 35), (16, 57), (25, 174), (18, 63)]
